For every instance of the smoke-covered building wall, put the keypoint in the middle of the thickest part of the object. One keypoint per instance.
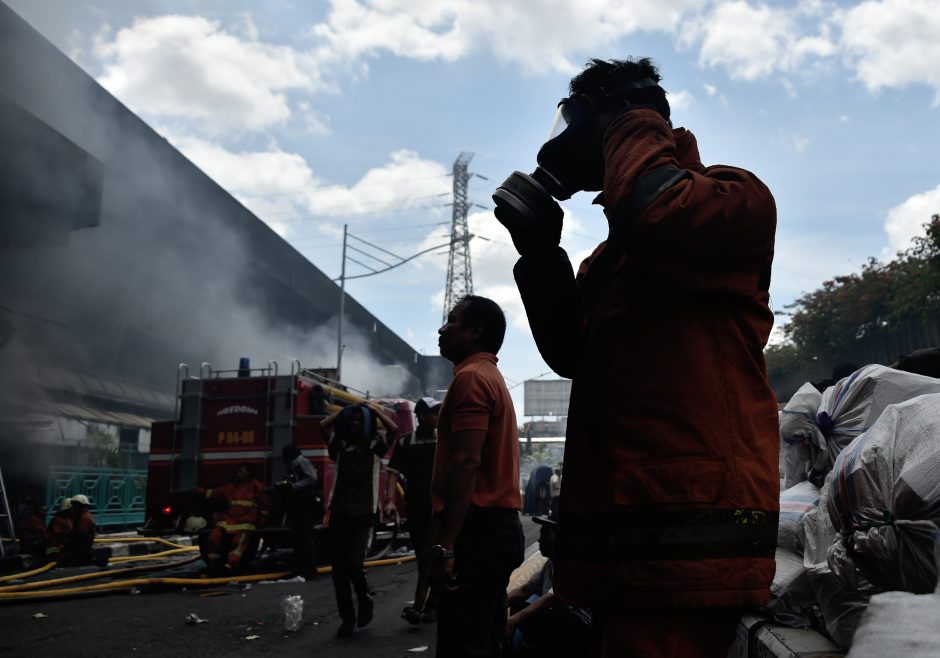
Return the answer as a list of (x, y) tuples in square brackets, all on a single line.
[(120, 259)]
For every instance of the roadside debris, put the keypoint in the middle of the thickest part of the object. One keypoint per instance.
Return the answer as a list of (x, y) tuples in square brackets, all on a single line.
[(193, 618), (293, 607)]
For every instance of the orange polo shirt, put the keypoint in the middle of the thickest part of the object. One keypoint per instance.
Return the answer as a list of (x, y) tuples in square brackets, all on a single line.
[(479, 400)]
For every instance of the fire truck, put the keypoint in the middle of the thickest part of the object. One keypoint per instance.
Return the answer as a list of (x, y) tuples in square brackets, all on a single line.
[(224, 418)]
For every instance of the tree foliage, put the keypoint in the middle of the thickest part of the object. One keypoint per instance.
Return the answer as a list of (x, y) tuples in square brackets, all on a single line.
[(880, 298)]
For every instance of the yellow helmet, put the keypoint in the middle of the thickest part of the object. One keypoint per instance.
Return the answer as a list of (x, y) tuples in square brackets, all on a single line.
[(81, 499), (65, 504)]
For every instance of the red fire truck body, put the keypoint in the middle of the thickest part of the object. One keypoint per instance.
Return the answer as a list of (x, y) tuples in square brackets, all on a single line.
[(226, 418)]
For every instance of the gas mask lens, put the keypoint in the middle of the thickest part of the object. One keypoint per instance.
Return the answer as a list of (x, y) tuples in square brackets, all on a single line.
[(564, 115)]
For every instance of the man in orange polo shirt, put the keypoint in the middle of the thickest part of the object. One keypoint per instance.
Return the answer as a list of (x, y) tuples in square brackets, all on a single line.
[(475, 486)]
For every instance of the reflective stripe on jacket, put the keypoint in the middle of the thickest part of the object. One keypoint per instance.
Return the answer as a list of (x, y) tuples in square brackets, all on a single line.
[(246, 503)]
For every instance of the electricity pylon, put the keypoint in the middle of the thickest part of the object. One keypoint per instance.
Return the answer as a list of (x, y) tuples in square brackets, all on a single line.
[(459, 273)]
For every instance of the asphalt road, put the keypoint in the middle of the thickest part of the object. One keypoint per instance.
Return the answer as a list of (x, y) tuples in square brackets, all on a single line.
[(153, 623)]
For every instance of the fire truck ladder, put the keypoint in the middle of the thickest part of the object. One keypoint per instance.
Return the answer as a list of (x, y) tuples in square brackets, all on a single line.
[(187, 430), (280, 422), (5, 516)]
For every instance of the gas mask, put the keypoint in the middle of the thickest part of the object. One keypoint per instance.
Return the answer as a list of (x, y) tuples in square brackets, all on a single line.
[(569, 161)]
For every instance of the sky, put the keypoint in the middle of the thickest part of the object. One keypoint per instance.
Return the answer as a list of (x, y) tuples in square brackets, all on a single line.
[(320, 114)]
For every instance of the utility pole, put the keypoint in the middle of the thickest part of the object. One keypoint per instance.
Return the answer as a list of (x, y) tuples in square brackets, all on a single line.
[(459, 274), (397, 262), (342, 309)]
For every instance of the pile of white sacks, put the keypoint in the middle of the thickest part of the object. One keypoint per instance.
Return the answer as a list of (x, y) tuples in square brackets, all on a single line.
[(861, 506)]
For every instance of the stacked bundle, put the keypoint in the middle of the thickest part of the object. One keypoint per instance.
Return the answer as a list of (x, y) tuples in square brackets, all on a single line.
[(868, 528)]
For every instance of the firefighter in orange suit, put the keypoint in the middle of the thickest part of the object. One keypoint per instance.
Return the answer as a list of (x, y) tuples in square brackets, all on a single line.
[(247, 505), (60, 530), (79, 548), (670, 502), (34, 536)]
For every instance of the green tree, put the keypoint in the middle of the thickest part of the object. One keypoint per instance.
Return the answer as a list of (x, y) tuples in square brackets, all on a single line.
[(880, 298)]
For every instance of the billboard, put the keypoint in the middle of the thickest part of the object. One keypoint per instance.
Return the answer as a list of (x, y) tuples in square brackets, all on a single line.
[(546, 397)]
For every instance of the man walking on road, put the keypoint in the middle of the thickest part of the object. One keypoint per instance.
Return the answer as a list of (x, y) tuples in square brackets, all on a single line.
[(475, 486), (356, 444)]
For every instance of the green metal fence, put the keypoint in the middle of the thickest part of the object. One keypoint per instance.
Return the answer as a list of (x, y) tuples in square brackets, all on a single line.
[(117, 495)]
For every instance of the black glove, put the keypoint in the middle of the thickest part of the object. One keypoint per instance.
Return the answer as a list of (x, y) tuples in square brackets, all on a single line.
[(530, 214)]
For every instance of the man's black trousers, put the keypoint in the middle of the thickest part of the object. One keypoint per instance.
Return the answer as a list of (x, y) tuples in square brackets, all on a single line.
[(471, 621)]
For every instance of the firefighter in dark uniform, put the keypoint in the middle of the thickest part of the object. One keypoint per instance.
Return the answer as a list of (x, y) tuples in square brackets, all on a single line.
[(356, 445), (413, 459), (304, 509)]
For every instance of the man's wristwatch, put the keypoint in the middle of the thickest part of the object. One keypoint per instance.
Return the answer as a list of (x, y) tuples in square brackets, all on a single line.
[(439, 553)]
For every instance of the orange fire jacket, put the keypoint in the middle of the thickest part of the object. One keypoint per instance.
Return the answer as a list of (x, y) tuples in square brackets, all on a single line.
[(671, 488), (247, 502)]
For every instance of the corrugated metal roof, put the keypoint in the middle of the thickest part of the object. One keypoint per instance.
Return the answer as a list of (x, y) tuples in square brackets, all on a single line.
[(81, 412), (87, 384)]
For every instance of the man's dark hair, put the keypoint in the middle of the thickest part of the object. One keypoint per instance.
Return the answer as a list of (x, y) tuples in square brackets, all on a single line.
[(290, 452), (248, 468), (601, 77), (490, 315)]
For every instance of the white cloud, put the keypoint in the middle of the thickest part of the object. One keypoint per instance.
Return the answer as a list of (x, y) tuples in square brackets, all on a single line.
[(315, 123), (406, 181), (680, 100), (226, 78), (282, 189), (894, 43), (906, 220), (793, 141), (753, 42), (542, 37), (191, 68)]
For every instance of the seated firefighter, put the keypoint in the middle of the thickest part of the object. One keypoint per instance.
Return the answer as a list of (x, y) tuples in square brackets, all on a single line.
[(60, 530), (33, 534), (78, 549), (235, 529), (539, 624)]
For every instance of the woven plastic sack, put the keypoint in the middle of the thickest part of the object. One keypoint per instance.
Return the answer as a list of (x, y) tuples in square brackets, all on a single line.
[(846, 409), (795, 503), (818, 531), (798, 432), (884, 500), (899, 624), (791, 594), (840, 609)]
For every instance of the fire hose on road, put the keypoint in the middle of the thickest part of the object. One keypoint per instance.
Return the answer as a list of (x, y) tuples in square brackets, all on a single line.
[(7, 594)]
